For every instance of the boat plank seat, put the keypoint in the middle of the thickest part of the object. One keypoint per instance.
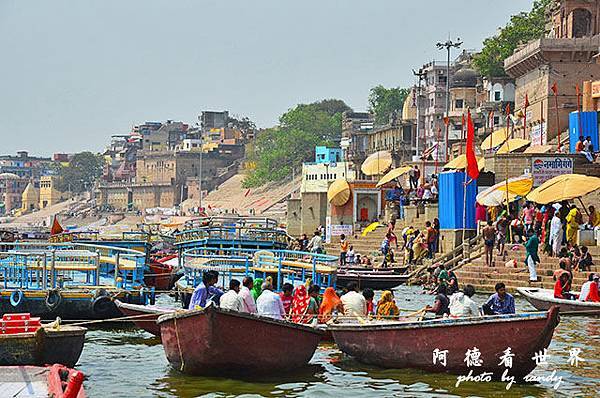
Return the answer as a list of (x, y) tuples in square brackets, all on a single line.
[(124, 263), (322, 269), (233, 270), (271, 270)]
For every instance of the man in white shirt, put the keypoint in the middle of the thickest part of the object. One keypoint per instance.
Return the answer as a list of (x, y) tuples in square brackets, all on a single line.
[(248, 304), (316, 243), (461, 303), (354, 303), (231, 300), (269, 303)]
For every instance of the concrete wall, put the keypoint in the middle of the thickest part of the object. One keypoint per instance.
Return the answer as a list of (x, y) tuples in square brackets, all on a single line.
[(294, 220), (313, 211)]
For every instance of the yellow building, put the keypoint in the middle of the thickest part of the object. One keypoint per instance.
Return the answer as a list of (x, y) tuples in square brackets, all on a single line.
[(30, 199), (49, 195)]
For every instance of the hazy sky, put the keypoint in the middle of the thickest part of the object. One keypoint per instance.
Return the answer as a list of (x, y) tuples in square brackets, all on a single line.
[(74, 72)]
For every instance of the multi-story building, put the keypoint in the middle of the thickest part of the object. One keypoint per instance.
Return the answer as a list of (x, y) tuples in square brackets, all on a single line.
[(23, 165), (567, 56), (11, 189), (49, 193), (355, 129)]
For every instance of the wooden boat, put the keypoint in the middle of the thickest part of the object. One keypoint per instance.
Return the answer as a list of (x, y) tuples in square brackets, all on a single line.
[(46, 345), (543, 299), (373, 279), (161, 274), (413, 344), (214, 341), (145, 316), (55, 381)]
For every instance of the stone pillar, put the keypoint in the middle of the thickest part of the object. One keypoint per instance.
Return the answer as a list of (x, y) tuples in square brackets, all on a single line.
[(588, 103)]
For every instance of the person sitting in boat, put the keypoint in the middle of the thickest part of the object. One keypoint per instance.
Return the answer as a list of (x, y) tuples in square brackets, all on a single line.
[(248, 302), (369, 295), (256, 288), (386, 307), (562, 287), (500, 302), (206, 291), (304, 307), (589, 290), (287, 296), (331, 303), (354, 303), (269, 303), (231, 300), (461, 303), (441, 302)]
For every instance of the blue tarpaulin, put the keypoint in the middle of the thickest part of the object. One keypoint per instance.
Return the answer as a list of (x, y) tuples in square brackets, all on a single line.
[(589, 127), (451, 203)]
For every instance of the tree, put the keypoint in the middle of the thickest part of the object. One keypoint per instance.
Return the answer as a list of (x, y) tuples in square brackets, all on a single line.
[(280, 150), (81, 173), (521, 28), (384, 101)]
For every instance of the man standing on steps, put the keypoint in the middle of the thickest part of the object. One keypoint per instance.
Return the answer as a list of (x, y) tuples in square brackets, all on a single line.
[(532, 258), (343, 250), (489, 238)]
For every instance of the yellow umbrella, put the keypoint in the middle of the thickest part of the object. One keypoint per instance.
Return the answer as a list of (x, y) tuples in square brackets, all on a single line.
[(372, 227), (539, 149), (338, 193), (496, 195), (393, 174), (496, 138), (377, 163), (564, 187), (460, 162), (513, 145)]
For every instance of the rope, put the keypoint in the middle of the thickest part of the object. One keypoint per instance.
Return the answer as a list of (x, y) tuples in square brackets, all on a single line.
[(179, 345)]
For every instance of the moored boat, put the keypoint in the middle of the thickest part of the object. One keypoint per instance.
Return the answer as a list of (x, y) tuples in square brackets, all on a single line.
[(214, 341), (543, 299), (55, 381), (415, 344), (143, 316), (376, 280), (39, 345)]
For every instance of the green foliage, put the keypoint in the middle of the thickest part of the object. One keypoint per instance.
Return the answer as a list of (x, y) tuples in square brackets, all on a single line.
[(279, 150), (81, 172), (521, 28), (384, 101)]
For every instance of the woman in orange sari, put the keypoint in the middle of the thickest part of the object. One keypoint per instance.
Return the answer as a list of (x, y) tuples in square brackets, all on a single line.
[(330, 302), (386, 307)]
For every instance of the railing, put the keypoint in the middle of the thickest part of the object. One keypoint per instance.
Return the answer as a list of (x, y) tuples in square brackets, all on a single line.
[(95, 236), (41, 266), (234, 234)]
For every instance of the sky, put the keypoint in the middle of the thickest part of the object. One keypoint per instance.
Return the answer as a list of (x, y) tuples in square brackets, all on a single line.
[(72, 73)]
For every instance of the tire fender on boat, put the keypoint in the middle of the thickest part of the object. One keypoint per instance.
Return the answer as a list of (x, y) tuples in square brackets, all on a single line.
[(53, 299), (102, 305), (16, 297)]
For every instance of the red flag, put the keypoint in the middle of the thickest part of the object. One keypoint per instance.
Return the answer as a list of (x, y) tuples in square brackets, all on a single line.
[(472, 166), (526, 101), (492, 119), (247, 193), (555, 88), (507, 109), (56, 227), (446, 120)]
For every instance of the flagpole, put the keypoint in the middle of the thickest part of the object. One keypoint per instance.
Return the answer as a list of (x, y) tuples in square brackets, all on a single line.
[(506, 174), (579, 110)]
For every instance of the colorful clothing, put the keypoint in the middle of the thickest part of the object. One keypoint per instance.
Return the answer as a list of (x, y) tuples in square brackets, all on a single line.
[(300, 304), (287, 302), (572, 225), (257, 288), (331, 301), (386, 307), (248, 302)]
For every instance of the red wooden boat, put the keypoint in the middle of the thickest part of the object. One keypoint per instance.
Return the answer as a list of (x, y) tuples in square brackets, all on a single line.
[(214, 341), (55, 381), (143, 316), (412, 345), (373, 279), (161, 273)]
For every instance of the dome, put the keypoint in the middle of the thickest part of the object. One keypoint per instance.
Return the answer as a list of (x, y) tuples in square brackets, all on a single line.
[(464, 78), (30, 193), (9, 176), (409, 112)]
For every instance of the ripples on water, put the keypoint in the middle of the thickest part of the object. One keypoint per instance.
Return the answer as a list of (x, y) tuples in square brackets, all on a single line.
[(125, 362)]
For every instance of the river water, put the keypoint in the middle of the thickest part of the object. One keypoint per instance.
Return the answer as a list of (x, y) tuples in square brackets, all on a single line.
[(126, 362)]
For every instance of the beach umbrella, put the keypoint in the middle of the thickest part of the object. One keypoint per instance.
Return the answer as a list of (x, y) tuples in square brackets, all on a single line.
[(338, 193), (460, 163), (496, 138), (564, 187), (513, 145), (377, 163), (372, 227), (539, 149), (393, 174), (496, 195)]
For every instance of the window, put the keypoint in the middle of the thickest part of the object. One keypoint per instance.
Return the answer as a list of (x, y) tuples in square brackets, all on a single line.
[(496, 120), (459, 104), (497, 96)]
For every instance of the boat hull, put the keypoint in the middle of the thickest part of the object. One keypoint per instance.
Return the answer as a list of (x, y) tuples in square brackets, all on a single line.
[(372, 280), (542, 299), (33, 381), (45, 346), (73, 305), (411, 345), (145, 317), (216, 342)]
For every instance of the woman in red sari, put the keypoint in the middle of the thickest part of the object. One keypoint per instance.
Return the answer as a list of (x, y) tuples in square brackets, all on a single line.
[(300, 305)]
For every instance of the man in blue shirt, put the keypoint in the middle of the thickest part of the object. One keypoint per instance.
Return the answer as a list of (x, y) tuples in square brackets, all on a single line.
[(499, 303), (205, 291)]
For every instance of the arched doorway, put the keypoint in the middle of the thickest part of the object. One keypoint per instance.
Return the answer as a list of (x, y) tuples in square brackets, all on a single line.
[(581, 23)]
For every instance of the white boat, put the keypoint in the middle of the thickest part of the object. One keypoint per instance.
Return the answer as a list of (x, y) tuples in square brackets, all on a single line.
[(543, 299)]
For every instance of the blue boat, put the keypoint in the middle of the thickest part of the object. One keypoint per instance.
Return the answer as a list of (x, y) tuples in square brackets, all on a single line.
[(70, 280)]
